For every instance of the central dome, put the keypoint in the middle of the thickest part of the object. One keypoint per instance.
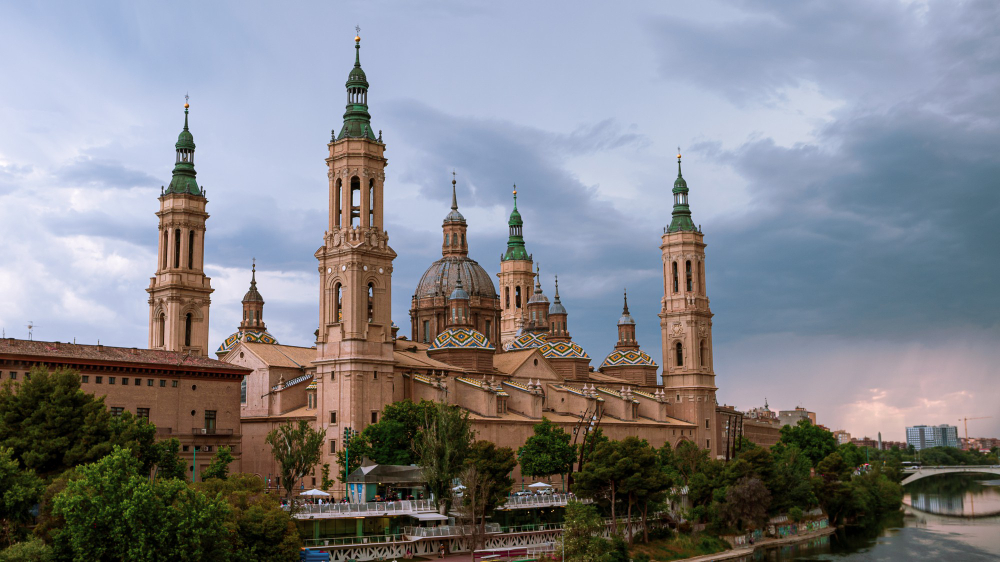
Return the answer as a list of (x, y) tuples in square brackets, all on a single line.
[(441, 278)]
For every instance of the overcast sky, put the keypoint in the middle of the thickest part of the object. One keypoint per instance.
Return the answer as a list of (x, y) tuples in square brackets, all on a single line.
[(842, 160)]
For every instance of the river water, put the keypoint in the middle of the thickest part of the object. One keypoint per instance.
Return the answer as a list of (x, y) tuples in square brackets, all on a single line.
[(949, 518)]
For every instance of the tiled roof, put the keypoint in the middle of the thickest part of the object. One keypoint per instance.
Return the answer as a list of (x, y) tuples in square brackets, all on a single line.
[(275, 355), (57, 352), (511, 361), (630, 357)]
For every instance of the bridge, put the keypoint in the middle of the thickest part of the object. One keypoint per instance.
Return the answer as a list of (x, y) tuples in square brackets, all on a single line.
[(925, 471)]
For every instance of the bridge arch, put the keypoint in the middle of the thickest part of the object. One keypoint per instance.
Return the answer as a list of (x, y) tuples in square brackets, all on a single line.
[(926, 471)]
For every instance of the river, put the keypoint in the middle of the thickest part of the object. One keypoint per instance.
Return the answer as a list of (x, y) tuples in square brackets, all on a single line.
[(948, 518)]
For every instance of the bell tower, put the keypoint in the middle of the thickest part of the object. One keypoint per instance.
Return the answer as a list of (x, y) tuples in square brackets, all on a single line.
[(516, 278), (686, 321), (179, 294), (354, 360)]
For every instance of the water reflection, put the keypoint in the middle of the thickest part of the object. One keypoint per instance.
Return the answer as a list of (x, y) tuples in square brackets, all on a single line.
[(951, 518)]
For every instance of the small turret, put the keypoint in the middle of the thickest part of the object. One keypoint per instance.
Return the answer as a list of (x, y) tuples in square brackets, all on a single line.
[(681, 215), (557, 319)]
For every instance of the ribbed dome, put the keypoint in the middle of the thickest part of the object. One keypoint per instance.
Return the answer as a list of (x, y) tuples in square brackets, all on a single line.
[(619, 358), (441, 278)]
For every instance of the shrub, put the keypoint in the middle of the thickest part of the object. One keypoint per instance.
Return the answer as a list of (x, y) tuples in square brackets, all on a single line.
[(795, 513)]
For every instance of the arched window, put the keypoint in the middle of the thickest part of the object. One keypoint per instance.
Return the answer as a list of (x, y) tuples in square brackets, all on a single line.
[(371, 302), (690, 282), (338, 201), (675, 278), (463, 240), (338, 303), (371, 202), (177, 247), (243, 391), (162, 328), (701, 277), (166, 244), (454, 239), (187, 329), (506, 303), (355, 201), (191, 249), (701, 354), (680, 354), (517, 297), (445, 238)]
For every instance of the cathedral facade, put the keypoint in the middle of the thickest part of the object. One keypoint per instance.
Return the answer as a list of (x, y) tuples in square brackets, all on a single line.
[(503, 352)]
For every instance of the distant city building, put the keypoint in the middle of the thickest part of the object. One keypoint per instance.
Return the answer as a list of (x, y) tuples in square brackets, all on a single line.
[(926, 436), (865, 442), (889, 445), (842, 436), (761, 425), (980, 443), (792, 417)]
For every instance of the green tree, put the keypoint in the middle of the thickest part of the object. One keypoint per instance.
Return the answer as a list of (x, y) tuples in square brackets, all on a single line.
[(547, 452), (606, 476), (115, 512), (34, 550), (138, 435), (832, 486), (688, 458), (814, 442), (168, 460), (258, 528), (50, 424), (297, 448), (219, 468), (497, 464), (444, 445), (746, 503), (788, 480), (20, 489), (351, 455), (581, 540), (648, 484)]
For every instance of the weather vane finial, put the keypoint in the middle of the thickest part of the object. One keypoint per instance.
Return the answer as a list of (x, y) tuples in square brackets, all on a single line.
[(678, 153), (186, 98), (357, 30)]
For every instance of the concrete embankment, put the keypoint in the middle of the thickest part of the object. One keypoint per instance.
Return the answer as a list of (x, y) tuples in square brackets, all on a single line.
[(765, 543)]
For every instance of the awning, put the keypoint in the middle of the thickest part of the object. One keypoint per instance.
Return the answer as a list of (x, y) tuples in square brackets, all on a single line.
[(540, 485), (430, 516)]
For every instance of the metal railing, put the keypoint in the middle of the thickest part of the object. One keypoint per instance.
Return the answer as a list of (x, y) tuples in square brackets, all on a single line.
[(355, 541), (532, 527), (447, 530), (210, 431), (370, 508), (542, 500)]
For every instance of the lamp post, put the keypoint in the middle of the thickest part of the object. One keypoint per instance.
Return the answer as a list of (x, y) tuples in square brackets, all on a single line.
[(348, 434)]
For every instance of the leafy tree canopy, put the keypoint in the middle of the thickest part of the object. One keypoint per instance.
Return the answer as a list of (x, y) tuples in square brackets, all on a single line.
[(814, 442), (19, 491), (547, 452), (219, 468), (258, 528), (443, 447), (297, 447), (495, 464)]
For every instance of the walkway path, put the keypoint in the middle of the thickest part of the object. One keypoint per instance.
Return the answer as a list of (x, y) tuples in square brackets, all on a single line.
[(763, 543)]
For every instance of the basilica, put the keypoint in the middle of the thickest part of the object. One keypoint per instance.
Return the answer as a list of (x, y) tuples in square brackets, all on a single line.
[(495, 345)]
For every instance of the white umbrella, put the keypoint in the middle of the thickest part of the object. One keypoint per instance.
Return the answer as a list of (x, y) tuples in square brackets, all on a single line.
[(540, 485), (459, 487), (314, 492)]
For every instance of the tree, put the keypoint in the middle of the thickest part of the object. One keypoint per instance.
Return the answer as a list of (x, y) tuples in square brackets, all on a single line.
[(34, 550), (115, 512), (746, 503), (547, 452), (168, 461), (219, 468), (19, 491), (137, 435), (606, 476), (297, 448), (50, 424), (687, 458), (581, 540), (647, 485), (393, 440), (814, 442), (258, 528), (489, 482), (444, 446), (788, 481)]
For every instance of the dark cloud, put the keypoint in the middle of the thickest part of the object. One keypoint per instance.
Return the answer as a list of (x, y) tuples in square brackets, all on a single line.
[(104, 174)]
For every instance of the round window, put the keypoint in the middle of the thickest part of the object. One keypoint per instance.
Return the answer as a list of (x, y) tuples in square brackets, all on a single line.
[(192, 412), (195, 387)]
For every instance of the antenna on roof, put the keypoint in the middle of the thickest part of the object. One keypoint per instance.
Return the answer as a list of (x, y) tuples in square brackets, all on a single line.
[(31, 326)]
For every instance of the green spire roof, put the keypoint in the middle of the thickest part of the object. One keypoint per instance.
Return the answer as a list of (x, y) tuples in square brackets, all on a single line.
[(183, 180), (357, 120), (682, 212), (515, 243)]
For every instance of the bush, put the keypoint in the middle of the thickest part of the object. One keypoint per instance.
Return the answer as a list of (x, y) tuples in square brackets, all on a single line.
[(641, 557), (34, 550), (795, 513)]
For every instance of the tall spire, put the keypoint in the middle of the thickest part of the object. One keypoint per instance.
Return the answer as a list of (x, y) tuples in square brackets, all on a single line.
[(557, 306), (357, 120), (454, 215), (515, 242), (681, 216), (626, 318), (625, 308), (184, 179)]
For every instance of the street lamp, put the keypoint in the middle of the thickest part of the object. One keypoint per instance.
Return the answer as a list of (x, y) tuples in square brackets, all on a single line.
[(348, 435)]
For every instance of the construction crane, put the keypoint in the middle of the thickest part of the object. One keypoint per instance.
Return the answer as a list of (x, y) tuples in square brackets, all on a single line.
[(966, 421)]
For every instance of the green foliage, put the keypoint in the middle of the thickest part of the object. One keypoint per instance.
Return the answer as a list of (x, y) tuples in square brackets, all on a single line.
[(746, 503), (34, 550), (687, 458), (581, 532), (326, 482), (297, 448), (814, 442), (444, 445), (19, 491), (115, 512), (591, 441), (137, 435), (845, 496), (168, 464), (219, 468), (788, 480), (547, 452), (50, 424), (950, 456), (258, 529), (495, 464), (796, 514), (393, 440)]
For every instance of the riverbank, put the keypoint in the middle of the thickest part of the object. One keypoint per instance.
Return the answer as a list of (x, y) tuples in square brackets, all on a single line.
[(763, 543)]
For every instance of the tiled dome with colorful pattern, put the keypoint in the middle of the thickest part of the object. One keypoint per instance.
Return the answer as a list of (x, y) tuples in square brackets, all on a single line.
[(461, 338), (628, 358), (550, 350), (249, 336)]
